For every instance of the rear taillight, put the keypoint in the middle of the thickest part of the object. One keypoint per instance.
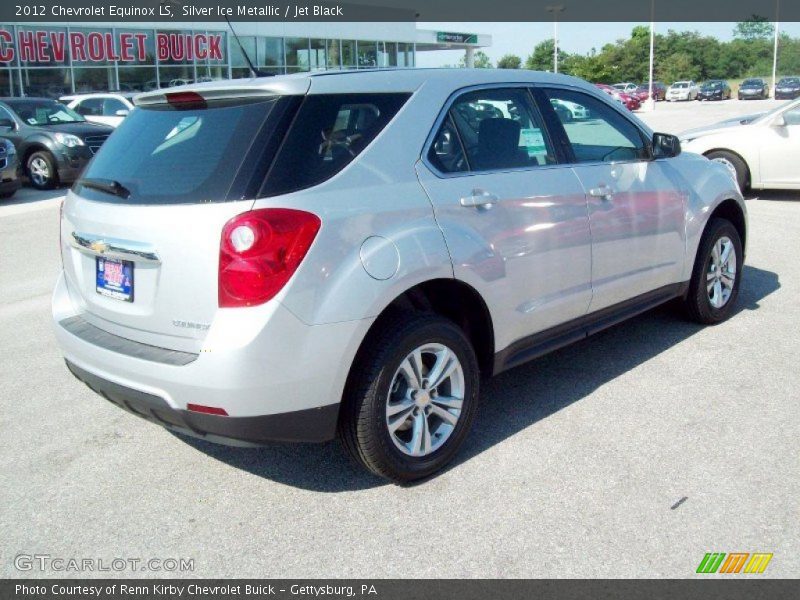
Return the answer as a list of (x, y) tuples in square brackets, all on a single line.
[(259, 252)]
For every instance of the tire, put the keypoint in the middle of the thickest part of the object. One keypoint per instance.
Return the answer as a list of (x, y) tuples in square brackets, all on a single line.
[(41, 170), (377, 381), (699, 303), (734, 163)]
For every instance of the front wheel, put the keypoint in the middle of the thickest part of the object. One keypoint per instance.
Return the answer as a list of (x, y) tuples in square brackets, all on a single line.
[(716, 276), (42, 171), (412, 398)]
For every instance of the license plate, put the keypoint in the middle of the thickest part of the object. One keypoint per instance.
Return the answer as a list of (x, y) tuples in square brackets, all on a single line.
[(114, 278)]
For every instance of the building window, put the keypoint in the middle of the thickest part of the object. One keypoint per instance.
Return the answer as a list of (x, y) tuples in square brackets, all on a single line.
[(270, 54), (317, 59), (137, 79), (47, 83), (297, 54), (97, 79), (349, 54), (367, 54), (334, 54)]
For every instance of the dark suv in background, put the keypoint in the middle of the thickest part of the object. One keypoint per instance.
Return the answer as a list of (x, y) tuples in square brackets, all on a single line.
[(53, 142)]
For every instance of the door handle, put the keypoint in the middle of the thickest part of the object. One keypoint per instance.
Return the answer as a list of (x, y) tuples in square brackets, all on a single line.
[(479, 199), (602, 191)]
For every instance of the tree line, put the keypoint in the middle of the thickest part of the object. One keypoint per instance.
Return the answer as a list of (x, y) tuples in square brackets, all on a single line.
[(677, 55)]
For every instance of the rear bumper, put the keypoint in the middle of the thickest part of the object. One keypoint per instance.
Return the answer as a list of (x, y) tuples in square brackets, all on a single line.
[(277, 377), (311, 425)]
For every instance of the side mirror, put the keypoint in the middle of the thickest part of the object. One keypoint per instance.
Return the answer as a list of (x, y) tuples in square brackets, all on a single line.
[(665, 145), (122, 112), (7, 124), (778, 121)]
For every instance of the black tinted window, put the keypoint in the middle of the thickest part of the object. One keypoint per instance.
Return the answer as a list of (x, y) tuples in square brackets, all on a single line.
[(172, 155), (328, 132)]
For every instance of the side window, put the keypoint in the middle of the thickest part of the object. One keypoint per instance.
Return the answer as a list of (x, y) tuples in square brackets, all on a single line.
[(499, 129), (91, 107), (111, 106), (601, 134), (447, 153), (329, 131)]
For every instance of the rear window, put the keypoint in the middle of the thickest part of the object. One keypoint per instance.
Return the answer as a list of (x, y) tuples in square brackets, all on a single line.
[(232, 150), (172, 155)]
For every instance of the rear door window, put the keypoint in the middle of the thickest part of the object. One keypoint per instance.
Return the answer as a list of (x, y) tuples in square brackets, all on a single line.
[(499, 128), (329, 131)]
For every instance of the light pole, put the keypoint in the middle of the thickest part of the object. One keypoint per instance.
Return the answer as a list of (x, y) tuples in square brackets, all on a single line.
[(554, 10), (651, 102), (775, 48)]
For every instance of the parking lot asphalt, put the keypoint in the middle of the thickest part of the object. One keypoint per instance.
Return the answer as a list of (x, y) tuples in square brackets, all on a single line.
[(631, 454)]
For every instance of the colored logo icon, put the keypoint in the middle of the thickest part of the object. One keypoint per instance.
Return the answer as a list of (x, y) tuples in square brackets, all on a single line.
[(735, 562)]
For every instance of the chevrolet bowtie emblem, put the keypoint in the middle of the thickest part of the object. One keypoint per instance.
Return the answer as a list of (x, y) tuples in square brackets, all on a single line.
[(99, 246)]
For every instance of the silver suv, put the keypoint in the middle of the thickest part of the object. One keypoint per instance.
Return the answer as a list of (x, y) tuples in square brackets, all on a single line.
[(347, 253)]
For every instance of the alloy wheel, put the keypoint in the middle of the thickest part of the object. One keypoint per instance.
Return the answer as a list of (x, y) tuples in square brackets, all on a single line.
[(721, 272), (425, 400), (39, 171)]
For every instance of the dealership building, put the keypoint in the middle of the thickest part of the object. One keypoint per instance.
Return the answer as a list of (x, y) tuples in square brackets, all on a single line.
[(63, 58)]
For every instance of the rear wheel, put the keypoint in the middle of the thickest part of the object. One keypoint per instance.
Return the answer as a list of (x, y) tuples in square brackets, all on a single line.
[(42, 171), (734, 164), (716, 276), (412, 399)]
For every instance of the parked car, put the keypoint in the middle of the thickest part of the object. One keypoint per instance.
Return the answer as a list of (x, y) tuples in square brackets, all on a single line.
[(627, 88), (642, 92), (788, 88), (569, 111), (753, 89), (404, 241), (9, 169), (108, 109), (628, 101), (716, 89), (759, 151), (682, 90), (53, 142)]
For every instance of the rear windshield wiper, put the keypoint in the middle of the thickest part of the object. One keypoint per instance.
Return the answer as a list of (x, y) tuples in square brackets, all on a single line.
[(109, 186)]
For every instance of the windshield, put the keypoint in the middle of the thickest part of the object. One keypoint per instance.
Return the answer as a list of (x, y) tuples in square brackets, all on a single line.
[(751, 82), (680, 84), (712, 85), (774, 111), (790, 81), (44, 112)]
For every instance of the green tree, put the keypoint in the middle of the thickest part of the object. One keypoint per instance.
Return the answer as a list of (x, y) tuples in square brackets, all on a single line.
[(509, 61), (754, 28), (541, 59), (481, 61), (678, 66)]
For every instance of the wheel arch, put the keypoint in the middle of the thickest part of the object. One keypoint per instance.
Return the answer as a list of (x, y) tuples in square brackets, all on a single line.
[(731, 211), (449, 298), (748, 175)]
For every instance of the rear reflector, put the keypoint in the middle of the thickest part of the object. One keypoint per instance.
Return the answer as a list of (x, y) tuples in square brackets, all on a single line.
[(209, 410)]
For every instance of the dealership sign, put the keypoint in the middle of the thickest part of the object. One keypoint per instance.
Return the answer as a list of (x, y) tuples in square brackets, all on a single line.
[(456, 38), (42, 46)]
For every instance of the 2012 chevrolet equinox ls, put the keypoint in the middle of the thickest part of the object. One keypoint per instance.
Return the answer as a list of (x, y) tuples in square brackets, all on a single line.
[(346, 253)]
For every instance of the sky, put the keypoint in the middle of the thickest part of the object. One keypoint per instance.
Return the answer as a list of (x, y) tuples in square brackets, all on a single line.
[(520, 38)]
